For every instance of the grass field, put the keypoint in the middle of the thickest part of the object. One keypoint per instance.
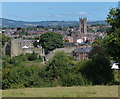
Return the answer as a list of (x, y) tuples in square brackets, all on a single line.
[(80, 91)]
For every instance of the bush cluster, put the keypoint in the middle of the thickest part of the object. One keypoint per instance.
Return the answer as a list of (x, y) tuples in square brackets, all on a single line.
[(61, 70)]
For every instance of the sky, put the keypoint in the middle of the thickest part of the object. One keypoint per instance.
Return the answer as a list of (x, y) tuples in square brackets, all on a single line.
[(56, 11)]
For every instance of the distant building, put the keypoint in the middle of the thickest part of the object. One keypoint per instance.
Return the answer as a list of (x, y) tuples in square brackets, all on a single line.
[(82, 53), (83, 25), (68, 39)]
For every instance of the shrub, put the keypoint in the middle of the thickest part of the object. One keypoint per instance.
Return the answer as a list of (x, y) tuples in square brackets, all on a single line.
[(116, 80), (23, 76), (72, 79), (97, 70), (33, 57), (58, 65), (61, 70)]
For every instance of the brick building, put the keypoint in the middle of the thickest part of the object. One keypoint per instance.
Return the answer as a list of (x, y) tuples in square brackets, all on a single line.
[(82, 53)]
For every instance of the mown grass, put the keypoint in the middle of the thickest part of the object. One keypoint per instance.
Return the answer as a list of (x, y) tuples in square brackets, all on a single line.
[(80, 91)]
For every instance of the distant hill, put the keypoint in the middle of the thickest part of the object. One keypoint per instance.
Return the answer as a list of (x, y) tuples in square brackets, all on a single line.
[(13, 24)]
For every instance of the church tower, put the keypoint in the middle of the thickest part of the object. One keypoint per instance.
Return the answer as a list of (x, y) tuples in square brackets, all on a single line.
[(83, 25)]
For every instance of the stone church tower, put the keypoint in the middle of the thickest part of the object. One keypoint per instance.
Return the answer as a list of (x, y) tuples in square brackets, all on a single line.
[(83, 25)]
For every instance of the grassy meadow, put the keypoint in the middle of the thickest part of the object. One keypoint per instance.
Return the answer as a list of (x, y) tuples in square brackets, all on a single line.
[(79, 91)]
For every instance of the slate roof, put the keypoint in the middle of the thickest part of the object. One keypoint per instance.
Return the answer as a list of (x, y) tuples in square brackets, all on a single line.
[(83, 50)]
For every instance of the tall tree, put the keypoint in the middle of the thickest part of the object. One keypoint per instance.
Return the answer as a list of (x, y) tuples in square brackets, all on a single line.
[(97, 69), (112, 41), (4, 39), (114, 18), (50, 41)]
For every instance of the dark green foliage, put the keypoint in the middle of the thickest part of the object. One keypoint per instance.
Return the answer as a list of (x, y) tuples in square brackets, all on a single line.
[(112, 41), (36, 44), (5, 57), (58, 65), (15, 75), (61, 70), (98, 42), (16, 61), (10, 62), (114, 18), (23, 76), (4, 39), (33, 56), (116, 77), (73, 79), (97, 50), (51, 40), (112, 44), (97, 70)]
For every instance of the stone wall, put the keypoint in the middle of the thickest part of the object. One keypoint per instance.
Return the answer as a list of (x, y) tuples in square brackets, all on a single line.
[(16, 49), (40, 51), (67, 50)]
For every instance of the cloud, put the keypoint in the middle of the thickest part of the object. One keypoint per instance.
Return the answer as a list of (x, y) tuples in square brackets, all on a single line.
[(82, 13), (18, 17), (75, 13), (47, 16), (62, 16)]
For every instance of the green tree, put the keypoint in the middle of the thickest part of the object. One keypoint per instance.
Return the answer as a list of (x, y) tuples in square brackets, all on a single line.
[(61, 71), (97, 70), (112, 44), (51, 40), (58, 65), (112, 41), (73, 79), (4, 39), (114, 18)]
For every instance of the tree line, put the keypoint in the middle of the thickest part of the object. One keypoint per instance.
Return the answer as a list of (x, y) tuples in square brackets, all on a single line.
[(61, 70)]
